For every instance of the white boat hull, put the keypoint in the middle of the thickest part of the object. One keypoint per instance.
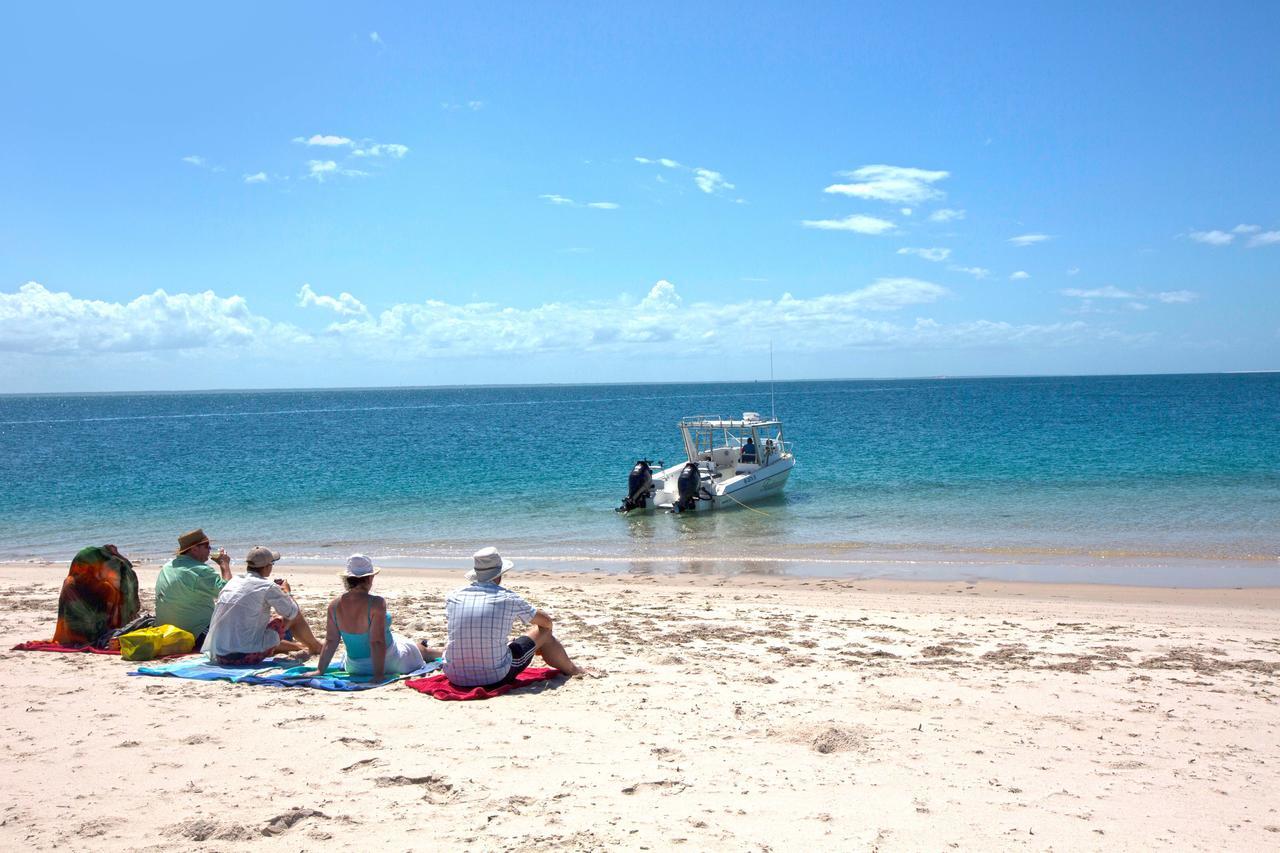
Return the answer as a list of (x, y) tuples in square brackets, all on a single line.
[(727, 492)]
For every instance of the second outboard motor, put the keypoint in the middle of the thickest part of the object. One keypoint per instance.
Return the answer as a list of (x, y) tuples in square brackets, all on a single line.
[(639, 487), (688, 484)]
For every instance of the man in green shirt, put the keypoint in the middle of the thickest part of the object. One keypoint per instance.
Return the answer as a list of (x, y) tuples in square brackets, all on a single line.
[(188, 586)]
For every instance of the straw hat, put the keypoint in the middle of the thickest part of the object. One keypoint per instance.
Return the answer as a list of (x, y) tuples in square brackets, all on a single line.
[(488, 565), (187, 541)]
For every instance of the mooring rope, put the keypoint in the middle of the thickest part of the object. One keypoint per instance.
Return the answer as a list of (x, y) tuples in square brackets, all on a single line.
[(744, 506)]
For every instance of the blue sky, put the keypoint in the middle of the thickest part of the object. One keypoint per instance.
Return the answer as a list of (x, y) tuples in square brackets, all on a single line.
[(283, 195)]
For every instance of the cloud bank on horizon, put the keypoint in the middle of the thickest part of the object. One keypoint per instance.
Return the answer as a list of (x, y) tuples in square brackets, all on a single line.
[(36, 320)]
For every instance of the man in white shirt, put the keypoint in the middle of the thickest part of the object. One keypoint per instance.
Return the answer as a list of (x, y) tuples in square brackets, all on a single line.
[(242, 630), (480, 617)]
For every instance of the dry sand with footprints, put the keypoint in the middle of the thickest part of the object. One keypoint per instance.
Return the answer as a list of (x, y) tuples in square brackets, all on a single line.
[(745, 713)]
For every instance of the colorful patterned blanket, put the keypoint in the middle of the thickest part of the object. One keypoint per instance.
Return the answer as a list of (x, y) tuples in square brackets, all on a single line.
[(277, 672)]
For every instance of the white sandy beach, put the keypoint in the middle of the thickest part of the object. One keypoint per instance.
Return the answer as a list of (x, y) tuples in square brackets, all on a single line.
[(737, 713)]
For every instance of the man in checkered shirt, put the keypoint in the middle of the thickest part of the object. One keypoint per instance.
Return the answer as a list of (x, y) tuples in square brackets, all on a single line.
[(480, 618)]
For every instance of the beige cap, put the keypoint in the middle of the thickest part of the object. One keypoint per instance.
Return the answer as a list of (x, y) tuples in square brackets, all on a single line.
[(260, 557)]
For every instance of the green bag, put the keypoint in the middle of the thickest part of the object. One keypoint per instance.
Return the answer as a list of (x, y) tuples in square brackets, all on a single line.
[(156, 642)]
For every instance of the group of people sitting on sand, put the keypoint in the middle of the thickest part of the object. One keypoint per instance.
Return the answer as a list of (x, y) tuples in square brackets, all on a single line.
[(248, 618)]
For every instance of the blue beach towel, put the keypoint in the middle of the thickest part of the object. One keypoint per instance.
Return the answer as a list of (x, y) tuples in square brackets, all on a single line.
[(275, 672)]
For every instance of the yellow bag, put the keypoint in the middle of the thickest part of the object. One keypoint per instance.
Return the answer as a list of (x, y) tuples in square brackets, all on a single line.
[(156, 642)]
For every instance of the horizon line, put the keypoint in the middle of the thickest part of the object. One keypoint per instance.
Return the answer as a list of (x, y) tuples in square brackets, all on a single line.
[(494, 385)]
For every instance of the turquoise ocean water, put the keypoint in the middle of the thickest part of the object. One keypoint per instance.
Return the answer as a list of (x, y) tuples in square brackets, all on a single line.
[(1174, 478)]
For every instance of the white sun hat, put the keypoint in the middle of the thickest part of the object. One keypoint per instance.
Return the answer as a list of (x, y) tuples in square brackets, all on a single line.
[(488, 565), (359, 566)]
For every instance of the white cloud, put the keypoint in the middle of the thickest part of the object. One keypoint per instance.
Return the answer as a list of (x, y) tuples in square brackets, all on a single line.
[(383, 149), (661, 296), (890, 294), (1107, 292), (375, 38), (1257, 237), (946, 214), (319, 168), (323, 169), (709, 181), (38, 320), (1168, 297), (256, 178), (1073, 271), (1020, 275), (325, 140), (556, 198), (823, 322), (857, 223), (660, 161), (1028, 239), (906, 211), (1212, 238), (202, 163), (927, 254), (475, 105), (896, 184), (976, 272), (344, 304)]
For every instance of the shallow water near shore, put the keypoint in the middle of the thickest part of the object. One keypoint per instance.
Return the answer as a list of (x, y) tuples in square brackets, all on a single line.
[(1095, 479)]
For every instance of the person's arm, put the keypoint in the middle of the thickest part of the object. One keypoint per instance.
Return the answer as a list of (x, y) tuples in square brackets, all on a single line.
[(378, 636), (542, 619), (205, 578), (332, 636), (283, 602)]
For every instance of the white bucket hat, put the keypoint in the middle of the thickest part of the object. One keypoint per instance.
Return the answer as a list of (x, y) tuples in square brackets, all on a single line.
[(359, 566), (488, 565)]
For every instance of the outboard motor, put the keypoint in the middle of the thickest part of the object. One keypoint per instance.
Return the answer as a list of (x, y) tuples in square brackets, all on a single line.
[(688, 484), (639, 487)]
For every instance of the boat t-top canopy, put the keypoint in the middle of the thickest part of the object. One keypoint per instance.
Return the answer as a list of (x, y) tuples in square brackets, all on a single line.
[(748, 420), (720, 440)]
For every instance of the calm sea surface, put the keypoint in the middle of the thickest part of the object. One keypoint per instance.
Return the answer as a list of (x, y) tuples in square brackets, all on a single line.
[(1056, 478)]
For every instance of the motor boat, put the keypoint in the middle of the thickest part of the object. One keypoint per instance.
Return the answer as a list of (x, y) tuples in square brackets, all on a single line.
[(729, 463)]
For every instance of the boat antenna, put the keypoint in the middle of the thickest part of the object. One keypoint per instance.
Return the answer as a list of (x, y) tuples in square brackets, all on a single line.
[(773, 415)]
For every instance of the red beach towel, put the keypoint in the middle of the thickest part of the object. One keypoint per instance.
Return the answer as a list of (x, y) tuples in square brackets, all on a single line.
[(441, 688), (51, 646)]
